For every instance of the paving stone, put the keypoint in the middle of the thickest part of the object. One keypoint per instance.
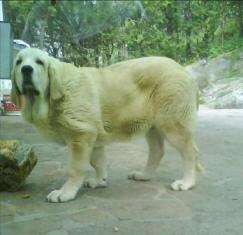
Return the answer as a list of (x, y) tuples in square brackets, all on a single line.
[(57, 232), (32, 226)]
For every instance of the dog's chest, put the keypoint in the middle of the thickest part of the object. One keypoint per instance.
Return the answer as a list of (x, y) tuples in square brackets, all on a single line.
[(51, 133)]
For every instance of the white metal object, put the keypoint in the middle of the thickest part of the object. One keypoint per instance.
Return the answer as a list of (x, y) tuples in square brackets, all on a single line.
[(1, 10)]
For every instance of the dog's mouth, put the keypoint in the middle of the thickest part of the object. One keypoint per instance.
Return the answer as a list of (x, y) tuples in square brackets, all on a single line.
[(29, 89)]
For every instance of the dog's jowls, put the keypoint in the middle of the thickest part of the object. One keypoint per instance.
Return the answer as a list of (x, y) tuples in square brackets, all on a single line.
[(86, 108)]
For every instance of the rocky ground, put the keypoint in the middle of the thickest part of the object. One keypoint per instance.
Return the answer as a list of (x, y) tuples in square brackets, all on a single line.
[(220, 80), (214, 207)]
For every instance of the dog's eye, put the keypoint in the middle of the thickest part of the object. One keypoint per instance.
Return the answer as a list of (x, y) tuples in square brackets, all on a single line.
[(19, 61), (38, 61)]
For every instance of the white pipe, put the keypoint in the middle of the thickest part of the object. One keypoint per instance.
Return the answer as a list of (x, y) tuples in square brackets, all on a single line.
[(1, 10)]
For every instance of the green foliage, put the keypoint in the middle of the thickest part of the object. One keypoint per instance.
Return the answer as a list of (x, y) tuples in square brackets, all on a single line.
[(102, 32), (16, 13), (232, 73), (229, 45)]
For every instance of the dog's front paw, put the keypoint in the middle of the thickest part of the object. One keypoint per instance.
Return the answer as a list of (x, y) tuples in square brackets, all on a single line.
[(60, 196), (93, 183), (182, 185), (138, 176)]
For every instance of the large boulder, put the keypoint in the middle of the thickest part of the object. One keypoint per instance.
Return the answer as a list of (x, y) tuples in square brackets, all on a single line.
[(16, 162), (220, 80), (225, 95)]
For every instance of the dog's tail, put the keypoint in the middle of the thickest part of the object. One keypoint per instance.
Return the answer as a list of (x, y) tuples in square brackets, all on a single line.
[(199, 167), (198, 98)]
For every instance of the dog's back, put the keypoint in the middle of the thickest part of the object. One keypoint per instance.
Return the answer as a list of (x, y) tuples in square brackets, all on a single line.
[(140, 93)]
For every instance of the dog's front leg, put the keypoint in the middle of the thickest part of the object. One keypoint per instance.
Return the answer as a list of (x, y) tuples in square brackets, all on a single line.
[(79, 163)]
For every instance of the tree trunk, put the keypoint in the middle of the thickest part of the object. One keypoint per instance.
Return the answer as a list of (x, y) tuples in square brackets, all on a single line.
[(222, 23), (42, 34), (240, 17), (108, 58), (169, 20), (188, 19)]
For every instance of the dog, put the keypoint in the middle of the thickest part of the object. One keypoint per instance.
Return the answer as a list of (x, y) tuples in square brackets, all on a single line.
[(86, 108)]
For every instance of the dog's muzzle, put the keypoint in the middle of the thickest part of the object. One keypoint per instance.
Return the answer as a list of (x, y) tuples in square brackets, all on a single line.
[(27, 70), (28, 86)]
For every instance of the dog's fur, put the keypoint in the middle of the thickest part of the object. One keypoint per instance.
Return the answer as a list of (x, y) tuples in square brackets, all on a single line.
[(86, 108)]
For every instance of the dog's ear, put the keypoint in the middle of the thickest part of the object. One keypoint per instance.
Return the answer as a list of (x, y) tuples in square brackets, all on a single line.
[(15, 93), (55, 76)]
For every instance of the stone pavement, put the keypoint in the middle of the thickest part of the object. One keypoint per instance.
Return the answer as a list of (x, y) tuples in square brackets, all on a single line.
[(214, 207)]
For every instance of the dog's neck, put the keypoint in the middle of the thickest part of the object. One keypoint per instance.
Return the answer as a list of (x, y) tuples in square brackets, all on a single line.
[(36, 109)]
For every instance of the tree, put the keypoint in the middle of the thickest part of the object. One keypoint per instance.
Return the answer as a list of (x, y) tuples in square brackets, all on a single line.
[(98, 33), (16, 13)]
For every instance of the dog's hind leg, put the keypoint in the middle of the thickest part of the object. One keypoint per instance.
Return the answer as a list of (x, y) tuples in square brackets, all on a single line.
[(98, 162), (181, 138), (156, 152)]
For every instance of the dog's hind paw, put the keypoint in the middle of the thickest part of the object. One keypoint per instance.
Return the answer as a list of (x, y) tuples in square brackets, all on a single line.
[(182, 185), (93, 183), (138, 176)]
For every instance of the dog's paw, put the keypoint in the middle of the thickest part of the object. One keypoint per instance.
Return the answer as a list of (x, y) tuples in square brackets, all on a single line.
[(60, 196), (182, 185), (138, 176), (93, 183)]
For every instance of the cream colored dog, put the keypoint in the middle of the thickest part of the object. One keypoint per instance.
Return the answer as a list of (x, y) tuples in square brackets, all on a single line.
[(86, 108)]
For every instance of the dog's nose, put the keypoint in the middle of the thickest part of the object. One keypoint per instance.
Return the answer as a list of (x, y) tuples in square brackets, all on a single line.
[(26, 70)]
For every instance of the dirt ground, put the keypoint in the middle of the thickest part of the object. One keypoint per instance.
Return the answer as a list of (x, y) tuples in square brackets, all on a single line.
[(214, 207)]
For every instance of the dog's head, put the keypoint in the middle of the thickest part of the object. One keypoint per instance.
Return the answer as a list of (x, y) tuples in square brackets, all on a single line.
[(35, 75)]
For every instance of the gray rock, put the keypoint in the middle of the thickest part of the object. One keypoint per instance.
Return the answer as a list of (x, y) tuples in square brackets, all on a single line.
[(16, 162), (220, 81)]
